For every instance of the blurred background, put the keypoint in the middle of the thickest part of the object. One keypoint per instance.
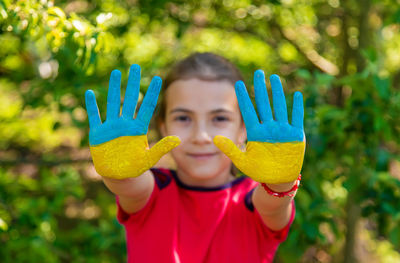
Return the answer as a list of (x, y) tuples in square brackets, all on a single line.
[(343, 55)]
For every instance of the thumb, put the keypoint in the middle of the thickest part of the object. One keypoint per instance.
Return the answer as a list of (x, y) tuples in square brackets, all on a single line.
[(162, 147), (230, 149)]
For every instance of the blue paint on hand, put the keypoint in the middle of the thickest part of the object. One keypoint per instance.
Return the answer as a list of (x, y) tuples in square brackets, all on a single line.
[(268, 129), (115, 125)]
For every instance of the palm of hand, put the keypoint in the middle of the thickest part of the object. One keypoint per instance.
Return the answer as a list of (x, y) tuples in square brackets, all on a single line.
[(273, 131), (119, 146), (116, 126), (112, 129), (275, 149)]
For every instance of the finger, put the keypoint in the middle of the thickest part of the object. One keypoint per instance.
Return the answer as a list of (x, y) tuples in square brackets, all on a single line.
[(246, 106), (229, 149), (149, 102), (132, 92), (262, 100), (114, 95), (298, 110), (162, 147), (278, 98), (92, 109)]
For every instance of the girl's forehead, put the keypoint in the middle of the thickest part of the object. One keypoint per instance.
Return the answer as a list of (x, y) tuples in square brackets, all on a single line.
[(195, 93)]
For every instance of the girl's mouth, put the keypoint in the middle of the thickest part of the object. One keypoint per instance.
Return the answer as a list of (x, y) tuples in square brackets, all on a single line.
[(201, 156)]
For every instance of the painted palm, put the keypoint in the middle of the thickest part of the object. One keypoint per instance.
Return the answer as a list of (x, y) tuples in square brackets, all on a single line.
[(119, 146), (275, 149)]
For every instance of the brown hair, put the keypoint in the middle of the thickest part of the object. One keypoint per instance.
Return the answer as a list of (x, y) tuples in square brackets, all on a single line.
[(204, 66)]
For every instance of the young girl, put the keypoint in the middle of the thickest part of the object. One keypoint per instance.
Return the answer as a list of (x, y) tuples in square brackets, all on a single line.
[(201, 212)]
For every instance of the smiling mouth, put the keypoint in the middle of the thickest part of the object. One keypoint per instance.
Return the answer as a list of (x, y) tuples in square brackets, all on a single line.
[(201, 156)]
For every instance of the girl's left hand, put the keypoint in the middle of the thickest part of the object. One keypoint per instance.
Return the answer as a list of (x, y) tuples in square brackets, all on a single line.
[(275, 149)]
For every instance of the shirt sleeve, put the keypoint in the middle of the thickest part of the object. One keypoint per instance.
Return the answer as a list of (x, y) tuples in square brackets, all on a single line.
[(279, 235), (161, 181), (123, 217)]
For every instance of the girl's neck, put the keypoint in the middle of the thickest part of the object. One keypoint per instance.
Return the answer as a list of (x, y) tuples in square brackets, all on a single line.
[(199, 181)]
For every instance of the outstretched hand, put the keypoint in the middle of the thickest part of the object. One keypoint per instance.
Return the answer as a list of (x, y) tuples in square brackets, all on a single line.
[(125, 125), (119, 146), (275, 149)]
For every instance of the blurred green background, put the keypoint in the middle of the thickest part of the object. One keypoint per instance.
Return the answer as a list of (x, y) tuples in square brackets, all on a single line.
[(343, 55)]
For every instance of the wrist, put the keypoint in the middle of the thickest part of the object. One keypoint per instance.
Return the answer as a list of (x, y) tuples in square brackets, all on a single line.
[(281, 187), (281, 190)]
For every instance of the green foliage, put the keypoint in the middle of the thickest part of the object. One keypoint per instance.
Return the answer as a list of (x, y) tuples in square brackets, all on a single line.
[(41, 219), (51, 209)]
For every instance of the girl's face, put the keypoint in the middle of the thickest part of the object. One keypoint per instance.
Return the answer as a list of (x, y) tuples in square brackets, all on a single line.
[(196, 111)]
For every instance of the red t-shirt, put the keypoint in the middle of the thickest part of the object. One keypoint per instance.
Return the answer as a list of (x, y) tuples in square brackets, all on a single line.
[(188, 224)]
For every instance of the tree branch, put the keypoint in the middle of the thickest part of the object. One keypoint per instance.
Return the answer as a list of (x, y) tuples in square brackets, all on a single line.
[(309, 53), (41, 162)]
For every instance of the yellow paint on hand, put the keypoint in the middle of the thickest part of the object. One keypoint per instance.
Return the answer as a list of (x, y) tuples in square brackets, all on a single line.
[(264, 162), (129, 156)]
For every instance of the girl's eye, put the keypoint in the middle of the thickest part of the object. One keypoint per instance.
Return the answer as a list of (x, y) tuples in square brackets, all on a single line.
[(182, 118), (220, 119)]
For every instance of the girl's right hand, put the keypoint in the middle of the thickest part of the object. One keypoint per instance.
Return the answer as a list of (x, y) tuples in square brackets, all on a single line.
[(119, 146)]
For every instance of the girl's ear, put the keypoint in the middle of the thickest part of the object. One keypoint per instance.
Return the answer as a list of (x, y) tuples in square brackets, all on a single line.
[(242, 134), (163, 130)]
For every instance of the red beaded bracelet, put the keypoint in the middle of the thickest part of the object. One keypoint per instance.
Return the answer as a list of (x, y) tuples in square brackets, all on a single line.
[(282, 194)]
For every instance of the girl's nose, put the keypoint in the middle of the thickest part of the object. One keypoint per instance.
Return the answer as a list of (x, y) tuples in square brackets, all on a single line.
[(201, 135)]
